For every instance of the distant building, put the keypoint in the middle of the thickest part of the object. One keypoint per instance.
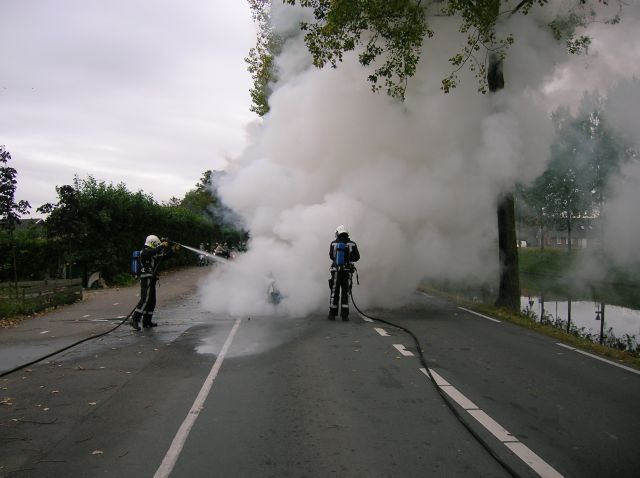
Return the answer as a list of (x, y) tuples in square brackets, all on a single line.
[(585, 234)]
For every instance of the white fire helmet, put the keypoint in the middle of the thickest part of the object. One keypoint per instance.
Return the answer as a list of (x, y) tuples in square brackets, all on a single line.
[(152, 241), (341, 230)]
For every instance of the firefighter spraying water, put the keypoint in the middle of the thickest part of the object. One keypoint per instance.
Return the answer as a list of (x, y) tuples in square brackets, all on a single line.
[(145, 266)]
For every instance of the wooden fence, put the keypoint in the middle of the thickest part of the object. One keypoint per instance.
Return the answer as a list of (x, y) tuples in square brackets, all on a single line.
[(33, 296)]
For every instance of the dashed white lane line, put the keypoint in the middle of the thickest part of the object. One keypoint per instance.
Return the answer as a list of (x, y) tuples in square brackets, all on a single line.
[(381, 331), (536, 463), (629, 369), (44, 332), (479, 315), (170, 459), (401, 348)]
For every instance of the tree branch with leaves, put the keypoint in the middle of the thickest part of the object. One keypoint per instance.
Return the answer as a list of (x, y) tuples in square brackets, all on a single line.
[(10, 210)]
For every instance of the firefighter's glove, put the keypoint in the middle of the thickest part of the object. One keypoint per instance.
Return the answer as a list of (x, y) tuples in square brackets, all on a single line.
[(176, 247), (165, 244)]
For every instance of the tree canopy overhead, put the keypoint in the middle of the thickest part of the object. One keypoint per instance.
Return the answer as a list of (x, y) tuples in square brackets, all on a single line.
[(389, 36)]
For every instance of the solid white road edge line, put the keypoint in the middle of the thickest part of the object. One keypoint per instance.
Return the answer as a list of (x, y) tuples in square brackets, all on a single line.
[(381, 331), (479, 315), (610, 362), (540, 466), (401, 348), (169, 461), (536, 463)]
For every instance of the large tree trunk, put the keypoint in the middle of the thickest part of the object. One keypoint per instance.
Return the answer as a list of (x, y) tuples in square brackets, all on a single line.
[(509, 290), (568, 232), (541, 228)]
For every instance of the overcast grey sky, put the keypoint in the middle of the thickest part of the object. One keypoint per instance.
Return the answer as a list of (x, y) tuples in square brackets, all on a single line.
[(151, 93)]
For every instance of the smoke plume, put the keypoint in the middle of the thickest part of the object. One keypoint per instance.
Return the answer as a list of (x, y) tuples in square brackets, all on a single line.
[(415, 182), (622, 223)]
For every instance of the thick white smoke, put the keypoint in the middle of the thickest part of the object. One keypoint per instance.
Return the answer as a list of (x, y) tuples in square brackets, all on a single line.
[(622, 222), (416, 183)]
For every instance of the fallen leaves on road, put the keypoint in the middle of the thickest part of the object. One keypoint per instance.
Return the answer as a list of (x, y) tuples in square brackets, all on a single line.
[(8, 323)]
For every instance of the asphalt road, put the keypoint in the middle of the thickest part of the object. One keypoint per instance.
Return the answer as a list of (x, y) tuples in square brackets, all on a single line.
[(306, 397)]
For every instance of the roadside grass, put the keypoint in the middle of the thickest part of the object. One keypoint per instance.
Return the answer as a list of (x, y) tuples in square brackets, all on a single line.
[(548, 262), (12, 313), (621, 356)]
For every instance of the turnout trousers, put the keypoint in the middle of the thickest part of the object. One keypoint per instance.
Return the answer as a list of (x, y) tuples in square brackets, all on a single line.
[(339, 297), (147, 303)]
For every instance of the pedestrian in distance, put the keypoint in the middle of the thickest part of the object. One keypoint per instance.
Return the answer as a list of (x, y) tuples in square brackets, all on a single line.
[(154, 252), (343, 252)]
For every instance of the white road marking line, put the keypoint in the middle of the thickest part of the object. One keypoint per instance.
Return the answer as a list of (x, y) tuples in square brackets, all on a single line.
[(401, 348), (44, 332), (494, 427), (450, 390), (610, 362), (460, 399), (439, 380), (86, 315), (480, 315), (518, 448), (381, 331), (170, 459), (366, 319), (541, 467)]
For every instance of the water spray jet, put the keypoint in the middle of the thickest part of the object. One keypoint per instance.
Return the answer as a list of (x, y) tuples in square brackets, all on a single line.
[(274, 296)]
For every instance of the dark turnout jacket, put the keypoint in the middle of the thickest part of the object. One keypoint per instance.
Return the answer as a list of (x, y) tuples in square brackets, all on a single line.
[(149, 259)]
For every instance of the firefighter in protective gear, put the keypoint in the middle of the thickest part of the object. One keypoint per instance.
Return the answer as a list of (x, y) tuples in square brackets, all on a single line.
[(152, 254), (343, 252)]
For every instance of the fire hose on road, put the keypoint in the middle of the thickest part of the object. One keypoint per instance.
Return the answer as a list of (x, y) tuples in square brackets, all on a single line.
[(275, 297), (438, 388)]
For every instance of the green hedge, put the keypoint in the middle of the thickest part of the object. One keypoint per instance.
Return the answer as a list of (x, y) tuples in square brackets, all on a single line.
[(97, 230)]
